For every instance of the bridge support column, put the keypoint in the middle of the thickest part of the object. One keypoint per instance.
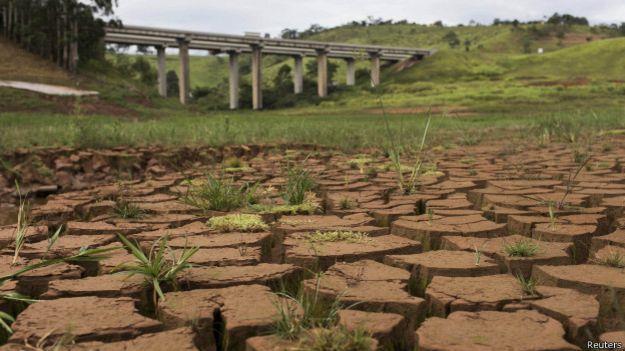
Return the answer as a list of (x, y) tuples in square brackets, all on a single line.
[(350, 78), (322, 73), (162, 70), (375, 68), (184, 79), (234, 79), (257, 77), (298, 74)]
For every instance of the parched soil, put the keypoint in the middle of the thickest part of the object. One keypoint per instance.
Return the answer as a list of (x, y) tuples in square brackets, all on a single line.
[(480, 255)]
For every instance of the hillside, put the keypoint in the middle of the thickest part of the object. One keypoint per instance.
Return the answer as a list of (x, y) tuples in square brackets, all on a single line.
[(580, 67), (488, 44), (118, 94)]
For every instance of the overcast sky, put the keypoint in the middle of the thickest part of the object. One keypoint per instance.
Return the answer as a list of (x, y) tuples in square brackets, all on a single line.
[(271, 16)]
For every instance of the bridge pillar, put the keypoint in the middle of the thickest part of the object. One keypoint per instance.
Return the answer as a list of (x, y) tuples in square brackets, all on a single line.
[(184, 79), (350, 78), (234, 79), (322, 73), (298, 74), (375, 68), (162, 70), (257, 77)]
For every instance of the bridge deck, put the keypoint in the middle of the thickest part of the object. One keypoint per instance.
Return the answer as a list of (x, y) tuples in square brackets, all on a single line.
[(133, 35)]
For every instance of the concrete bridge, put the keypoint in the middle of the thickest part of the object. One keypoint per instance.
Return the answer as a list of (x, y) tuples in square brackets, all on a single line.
[(256, 46)]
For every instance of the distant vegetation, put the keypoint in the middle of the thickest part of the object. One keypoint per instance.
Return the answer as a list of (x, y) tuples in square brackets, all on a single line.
[(58, 30)]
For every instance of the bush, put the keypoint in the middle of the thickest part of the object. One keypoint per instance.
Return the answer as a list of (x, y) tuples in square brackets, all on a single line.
[(172, 84)]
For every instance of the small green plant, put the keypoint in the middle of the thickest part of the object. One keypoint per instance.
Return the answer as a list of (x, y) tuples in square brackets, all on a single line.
[(52, 240), (478, 255), (430, 212), (522, 248), (218, 195), (527, 285), (337, 235), (552, 215), (298, 184), (347, 204), (309, 206), (127, 210), (21, 227), (337, 338), (233, 162), (158, 266), (371, 173), (614, 259), (304, 311), (238, 223)]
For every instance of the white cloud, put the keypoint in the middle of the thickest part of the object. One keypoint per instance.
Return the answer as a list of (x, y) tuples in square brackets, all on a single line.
[(271, 16)]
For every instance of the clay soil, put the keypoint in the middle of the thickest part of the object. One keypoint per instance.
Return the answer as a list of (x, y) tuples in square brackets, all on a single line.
[(495, 249)]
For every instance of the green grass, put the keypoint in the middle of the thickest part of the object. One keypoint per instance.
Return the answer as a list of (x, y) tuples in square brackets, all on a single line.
[(127, 210), (337, 338), (528, 285), (303, 311), (238, 223), (336, 236), (348, 130), (217, 194), (614, 259), (159, 267), (522, 248), (298, 185)]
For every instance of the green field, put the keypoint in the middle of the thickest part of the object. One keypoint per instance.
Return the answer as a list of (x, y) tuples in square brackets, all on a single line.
[(345, 131), (492, 91)]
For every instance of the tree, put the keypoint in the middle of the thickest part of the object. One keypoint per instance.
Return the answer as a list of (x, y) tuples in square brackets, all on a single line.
[(145, 72), (527, 44), (64, 31), (282, 81), (288, 33), (313, 29), (568, 20), (467, 45), (452, 39), (172, 84)]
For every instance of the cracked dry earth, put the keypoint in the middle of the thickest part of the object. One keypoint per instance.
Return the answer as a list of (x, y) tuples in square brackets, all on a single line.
[(433, 271)]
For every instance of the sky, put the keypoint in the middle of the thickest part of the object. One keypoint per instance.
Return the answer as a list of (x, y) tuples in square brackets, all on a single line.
[(271, 16)]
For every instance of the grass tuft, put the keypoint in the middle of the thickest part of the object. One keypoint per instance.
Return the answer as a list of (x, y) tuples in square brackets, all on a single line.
[(238, 223), (347, 204), (304, 311), (21, 228), (522, 248), (127, 210), (298, 185), (527, 285), (309, 206), (218, 195), (158, 266), (336, 236), (614, 259), (337, 338)]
